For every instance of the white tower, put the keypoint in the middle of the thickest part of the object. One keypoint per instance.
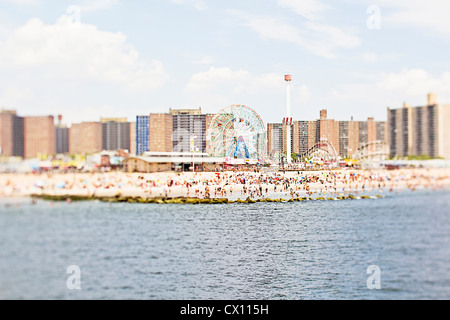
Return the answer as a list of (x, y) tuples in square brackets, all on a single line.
[(288, 121)]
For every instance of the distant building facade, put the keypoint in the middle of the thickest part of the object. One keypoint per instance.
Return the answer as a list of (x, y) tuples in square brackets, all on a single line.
[(62, 140), (416, 131), (160, 132), (115, 134), (142, 134), (274, 139), (39, 136), (85, 138), (62, 137), (345, 136), (328, 129), (187, 125), (172, 131), (133, 138), (11, 134)]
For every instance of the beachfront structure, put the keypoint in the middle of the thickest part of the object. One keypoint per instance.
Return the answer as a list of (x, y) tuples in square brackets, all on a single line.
[(150, 162), (345, 136), (417, 131), (11, 134), (115, 134), (85, 138), (39, 136)]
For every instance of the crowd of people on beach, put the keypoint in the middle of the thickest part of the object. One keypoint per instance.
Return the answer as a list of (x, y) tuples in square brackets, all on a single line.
[(226, 184)]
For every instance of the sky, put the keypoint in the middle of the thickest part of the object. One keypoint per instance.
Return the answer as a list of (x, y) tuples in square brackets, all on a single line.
[(114, 58)]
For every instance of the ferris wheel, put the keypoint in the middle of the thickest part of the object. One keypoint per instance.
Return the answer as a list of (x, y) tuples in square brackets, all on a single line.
[(236, 132)]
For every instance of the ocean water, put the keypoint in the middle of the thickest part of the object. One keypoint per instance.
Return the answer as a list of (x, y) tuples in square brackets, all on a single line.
[(278, 251)]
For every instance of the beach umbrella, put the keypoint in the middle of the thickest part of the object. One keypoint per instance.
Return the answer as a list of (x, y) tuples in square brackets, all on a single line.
[(61, 185), (39, 184)]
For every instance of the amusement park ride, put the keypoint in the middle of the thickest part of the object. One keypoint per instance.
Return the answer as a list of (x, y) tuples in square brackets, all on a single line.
[(324, 153), (237, 132), (288, 119)]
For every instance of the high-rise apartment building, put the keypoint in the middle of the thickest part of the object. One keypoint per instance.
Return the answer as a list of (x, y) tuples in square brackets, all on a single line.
[(62, 140), (39, 136), (160, 132), (133, 138), (115, 134), (300, 136), (275, 139), (11, 134), (188, 124), (423, 130), (363, 131), (172, 132), (381, 131), (349, 137), (142, 134), (354, 134), (62, 137), (345, 136), (328, 129), (85, 138)]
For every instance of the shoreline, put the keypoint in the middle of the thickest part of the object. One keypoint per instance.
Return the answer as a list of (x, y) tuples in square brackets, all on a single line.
[(183, 200), (214, 187)]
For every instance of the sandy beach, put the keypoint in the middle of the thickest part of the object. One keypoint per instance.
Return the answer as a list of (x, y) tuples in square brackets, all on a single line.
[(231, 185)]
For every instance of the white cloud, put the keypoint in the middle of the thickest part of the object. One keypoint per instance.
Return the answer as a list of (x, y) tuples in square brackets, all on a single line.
[(234, 81), (205, 60), (318, 38), (95, 5), (429, 15), (219, 87), (310, 9), (370, 57), (415, 81), (271, 28), (81, 52), (371, 98), (304, 93), (328, 38), (211, 79), (197, 4), (24, 2), (4, 31), (17, 94)]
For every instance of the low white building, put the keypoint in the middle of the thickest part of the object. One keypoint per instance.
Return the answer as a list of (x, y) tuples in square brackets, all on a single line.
[(172, 161)]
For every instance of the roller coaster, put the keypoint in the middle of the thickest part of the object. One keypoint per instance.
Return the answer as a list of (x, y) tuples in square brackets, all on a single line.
[(323, 149), (372, 151)]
